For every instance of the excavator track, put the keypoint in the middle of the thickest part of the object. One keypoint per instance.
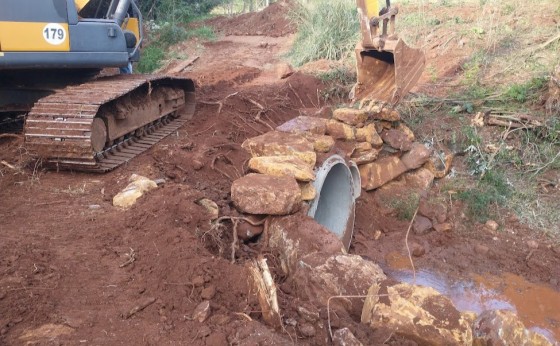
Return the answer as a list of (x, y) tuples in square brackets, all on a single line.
[(104, 123)]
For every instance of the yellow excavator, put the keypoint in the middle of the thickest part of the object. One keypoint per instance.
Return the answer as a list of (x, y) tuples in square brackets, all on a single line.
[(386, 67), (51, 55), (52, 52)]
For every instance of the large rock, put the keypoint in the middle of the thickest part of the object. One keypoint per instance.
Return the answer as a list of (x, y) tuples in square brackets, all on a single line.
[(350, 116), (319, 277), (385, 114), (369, 134), (303, 124), (339, 130), (503, 328), (407, 131), (321, 143), (416, 312), (296, 236), (417, 156), (397, 139), (138, 186), (344, 337), (276, 143), (362, 158), (266, 194), (308, 191), (280, 166), (381, 172)]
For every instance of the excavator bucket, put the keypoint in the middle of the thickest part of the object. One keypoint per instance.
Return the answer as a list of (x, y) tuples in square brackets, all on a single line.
[(386, 67)]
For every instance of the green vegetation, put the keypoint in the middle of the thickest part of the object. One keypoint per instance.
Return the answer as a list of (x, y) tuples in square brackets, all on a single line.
[(491, 190), (327, 29), (405, 206), (171, 23)]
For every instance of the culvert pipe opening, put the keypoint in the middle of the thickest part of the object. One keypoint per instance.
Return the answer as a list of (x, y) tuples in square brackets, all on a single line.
[(336, 195)]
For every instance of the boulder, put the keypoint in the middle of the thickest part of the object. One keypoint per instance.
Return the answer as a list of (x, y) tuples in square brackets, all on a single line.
[(417, 156), (503, 328), (369, 134), (276, 143), (339, 130), (350, 116), (266, 194), (321, 143), (420, 179), (138, 186), (435, 211), (380, 172), (279, 166), (296, 236), (304, 124), (320, 276), (415, 312), (362, 147), (396, 139)]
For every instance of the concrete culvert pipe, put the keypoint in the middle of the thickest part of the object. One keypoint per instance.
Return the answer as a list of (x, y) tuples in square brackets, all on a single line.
[(338, 187)]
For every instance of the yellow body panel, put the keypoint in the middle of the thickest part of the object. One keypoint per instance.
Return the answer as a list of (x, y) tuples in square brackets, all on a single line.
[(132, 25), (372, 8), (81, 4), (30, 37)]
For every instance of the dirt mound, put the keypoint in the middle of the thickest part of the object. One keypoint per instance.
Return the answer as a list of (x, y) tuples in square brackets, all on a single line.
[(272, 21)]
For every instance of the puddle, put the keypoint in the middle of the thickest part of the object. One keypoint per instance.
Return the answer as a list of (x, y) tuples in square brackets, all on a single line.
[(538, 306)]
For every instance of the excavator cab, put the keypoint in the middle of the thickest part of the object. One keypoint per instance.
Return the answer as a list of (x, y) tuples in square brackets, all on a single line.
[(386, 67)]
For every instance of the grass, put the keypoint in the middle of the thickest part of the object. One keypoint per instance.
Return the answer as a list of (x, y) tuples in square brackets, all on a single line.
[(492, 190), (327, 29), (405, 206)]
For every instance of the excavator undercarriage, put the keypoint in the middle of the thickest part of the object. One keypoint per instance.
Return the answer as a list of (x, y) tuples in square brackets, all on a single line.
[(101, 124)]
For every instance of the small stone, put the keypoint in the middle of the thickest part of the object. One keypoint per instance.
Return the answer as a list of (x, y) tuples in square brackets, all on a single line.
[(308, 191), (197, 165), (308, 315), (396, 139), (491, 225), (443, 227), (365, 157), (339, 130), (307, 330), (246, 231), (160, 181), (198, 281), (138, 186), (210, 206), (321, 144), (421, 225), (202, 311), (406, 130), (94, 206), (208, 293), (284, 70), (204, 331), (344, 337), (533, 244), (418, 250), (290, 322), (350, 116), (377, 235), (554, 282), (440, 163), (387, 115), (217, 339), (481, 249)]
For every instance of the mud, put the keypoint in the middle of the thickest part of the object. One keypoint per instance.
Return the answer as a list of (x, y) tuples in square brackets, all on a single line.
[(72, 267)]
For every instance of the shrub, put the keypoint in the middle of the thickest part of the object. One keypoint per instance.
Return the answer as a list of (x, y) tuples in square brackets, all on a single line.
[(151, 59)]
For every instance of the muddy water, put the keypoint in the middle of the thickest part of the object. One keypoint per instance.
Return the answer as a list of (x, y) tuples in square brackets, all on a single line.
[(538, 306)]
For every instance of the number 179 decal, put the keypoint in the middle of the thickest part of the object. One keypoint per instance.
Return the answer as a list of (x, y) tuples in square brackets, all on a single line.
[(54, 34)]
